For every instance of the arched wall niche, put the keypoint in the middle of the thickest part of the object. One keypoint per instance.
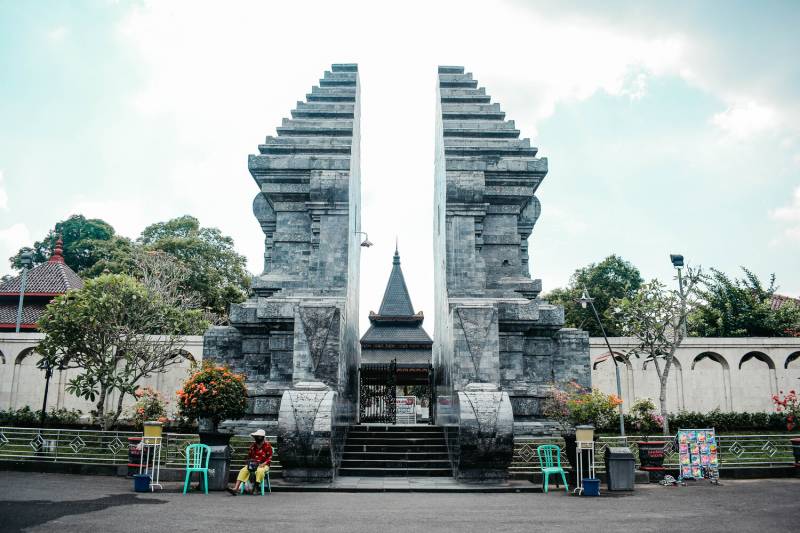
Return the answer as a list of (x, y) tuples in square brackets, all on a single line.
[(710, 382)]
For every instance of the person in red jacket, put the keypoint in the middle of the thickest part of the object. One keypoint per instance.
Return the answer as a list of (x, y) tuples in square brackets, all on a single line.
[(260, 456)]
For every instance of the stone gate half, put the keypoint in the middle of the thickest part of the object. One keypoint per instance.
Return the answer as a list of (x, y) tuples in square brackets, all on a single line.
[(296, 339), (497, 344)]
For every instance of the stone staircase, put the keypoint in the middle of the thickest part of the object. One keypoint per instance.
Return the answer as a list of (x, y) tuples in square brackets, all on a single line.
[(387, 450)]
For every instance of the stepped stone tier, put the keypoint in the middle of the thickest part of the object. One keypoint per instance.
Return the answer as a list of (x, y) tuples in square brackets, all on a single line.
[(296, 338), (497, 344)]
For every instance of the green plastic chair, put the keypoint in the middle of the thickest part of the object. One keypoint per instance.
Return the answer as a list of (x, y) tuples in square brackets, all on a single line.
[(197, 458), (550, 461)]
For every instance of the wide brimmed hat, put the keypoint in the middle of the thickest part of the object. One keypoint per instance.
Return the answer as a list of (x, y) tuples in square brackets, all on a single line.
[(258, 433)]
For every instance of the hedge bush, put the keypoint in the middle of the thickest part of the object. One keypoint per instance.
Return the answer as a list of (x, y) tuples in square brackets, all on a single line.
[(27, 417), (727, 422)]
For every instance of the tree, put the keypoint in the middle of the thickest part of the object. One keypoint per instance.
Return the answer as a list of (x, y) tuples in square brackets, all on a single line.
[(215, 271), (743, 308), (80, 237), (115, 332), (612, 278), (656, 318)]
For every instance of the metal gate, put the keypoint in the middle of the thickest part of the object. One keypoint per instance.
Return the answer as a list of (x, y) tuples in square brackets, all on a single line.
[(377, 393)]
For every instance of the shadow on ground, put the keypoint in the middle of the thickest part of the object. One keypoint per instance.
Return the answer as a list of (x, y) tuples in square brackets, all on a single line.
[(18, 515)]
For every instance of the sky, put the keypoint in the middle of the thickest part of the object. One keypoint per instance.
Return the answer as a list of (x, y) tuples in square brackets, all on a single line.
[(669, 127)]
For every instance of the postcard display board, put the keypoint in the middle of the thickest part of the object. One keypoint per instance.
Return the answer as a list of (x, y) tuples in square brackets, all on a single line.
[(698, 454)]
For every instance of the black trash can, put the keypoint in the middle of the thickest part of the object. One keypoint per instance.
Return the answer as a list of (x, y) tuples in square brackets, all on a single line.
[(620, 468), (218, 467)]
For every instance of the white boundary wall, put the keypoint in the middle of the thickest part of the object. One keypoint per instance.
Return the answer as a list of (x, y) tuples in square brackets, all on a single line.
[(22, 383), (729, 374)]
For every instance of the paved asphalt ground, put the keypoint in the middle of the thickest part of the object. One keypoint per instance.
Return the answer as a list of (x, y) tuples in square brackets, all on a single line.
[(63, 503)]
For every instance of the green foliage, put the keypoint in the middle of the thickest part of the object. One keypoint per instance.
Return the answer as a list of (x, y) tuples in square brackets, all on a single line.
[(612, 278), (81, 237), (743, 307), (150, 405), (723, 422), (656, 318), (728, 421), (26, 417), (105, 331), (213, 392), (215, 271), (642, 415), (574, 405)]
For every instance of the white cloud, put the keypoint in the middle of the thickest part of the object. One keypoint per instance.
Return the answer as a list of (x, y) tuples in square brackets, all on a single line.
[(57, 34), (126, 215), (225, 77), (3, 193), (12, 239), (790, 215), (744, 120)]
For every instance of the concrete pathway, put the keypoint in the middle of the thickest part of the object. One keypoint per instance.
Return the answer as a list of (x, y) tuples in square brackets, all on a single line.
[(66, 503)]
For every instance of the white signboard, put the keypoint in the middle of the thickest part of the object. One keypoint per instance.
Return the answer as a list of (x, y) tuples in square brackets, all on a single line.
[(406, 409)]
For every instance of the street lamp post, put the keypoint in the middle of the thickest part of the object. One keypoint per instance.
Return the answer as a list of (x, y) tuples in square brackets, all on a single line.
[(26, 259), (585, 300), (48, 373), (677, 262)]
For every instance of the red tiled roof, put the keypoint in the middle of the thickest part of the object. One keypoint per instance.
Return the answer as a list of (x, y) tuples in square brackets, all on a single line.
[(51, 278), (778, 300), (31, 312)]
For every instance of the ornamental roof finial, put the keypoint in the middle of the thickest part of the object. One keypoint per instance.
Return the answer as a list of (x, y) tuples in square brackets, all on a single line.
[(58, 252)]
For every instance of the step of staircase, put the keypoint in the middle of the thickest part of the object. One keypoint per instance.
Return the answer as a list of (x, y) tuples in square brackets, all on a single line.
[(395, 451)]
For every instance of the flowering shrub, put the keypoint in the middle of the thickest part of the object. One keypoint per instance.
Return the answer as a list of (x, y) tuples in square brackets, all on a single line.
[(213, 392), (576, 405), (644, 418), (789, 407), (150, 405)]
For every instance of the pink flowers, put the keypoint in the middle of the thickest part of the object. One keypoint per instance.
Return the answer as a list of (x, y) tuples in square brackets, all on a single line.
[(787, 404)]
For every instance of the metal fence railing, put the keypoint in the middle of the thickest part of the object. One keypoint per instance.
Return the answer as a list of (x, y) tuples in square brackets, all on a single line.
[(111, 448), (91, 447), (735, 451)]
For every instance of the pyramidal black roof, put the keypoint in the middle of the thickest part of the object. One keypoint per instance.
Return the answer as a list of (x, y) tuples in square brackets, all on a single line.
[(396, 301), (396, 323)]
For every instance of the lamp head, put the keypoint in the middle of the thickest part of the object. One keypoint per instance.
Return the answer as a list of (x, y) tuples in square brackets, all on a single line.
[(26, 259), (677, 260), (366, 243), (585, 300)]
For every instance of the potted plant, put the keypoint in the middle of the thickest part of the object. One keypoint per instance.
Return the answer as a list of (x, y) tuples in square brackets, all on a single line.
[(651, 452), (211, 395), (150, 406), (789, 406), (574, 405)]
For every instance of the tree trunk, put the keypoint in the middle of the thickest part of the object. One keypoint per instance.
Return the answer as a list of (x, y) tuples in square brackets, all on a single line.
[(118, 412), (662, 398), (101, 408)]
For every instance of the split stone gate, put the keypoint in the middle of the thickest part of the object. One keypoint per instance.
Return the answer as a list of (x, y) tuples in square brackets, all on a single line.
[(497, 345)]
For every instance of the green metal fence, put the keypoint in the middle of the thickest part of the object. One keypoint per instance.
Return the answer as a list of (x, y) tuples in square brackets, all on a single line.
[(111, 448), (90, 447), (735, 451)]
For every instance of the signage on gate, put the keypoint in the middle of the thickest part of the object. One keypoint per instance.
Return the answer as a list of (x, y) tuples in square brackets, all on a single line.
[(406, 405), (406, 409)]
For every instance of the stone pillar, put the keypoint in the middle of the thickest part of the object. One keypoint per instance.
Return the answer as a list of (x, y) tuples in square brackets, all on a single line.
[(306, 432), (486, 433)]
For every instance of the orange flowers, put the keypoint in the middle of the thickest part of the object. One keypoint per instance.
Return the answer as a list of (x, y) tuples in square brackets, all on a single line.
[(213, 392)]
